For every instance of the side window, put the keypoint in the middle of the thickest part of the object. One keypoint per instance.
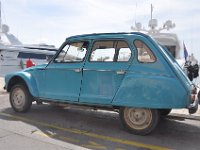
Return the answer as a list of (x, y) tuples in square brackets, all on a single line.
[(145, 55), (103, 51), (73, 52), (124, 51), (110, 51)]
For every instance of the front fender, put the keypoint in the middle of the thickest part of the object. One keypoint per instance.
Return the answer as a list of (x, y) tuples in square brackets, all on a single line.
[(22, 77)]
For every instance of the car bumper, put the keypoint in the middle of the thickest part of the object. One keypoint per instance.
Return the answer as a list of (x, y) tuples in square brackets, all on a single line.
[(192, 108)]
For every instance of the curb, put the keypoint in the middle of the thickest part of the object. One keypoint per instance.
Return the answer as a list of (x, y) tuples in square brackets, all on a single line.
[(183, 116)]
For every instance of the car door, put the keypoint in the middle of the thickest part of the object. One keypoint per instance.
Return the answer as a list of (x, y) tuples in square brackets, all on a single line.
[(64, 74), (104, 71)]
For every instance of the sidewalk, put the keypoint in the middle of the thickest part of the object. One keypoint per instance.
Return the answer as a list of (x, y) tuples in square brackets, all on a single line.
[(2, 83), (15, 141), (183, 113)]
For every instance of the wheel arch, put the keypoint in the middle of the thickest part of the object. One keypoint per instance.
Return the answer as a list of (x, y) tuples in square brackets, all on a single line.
[(26, 79)]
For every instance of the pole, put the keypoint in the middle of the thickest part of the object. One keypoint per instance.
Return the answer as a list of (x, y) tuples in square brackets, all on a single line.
[(151, 11), (0, 18)]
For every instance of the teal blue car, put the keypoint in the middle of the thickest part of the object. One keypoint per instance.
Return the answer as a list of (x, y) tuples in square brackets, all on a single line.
[(126, 72)]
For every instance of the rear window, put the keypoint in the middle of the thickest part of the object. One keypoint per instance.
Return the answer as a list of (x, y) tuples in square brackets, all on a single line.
[(145, 55)]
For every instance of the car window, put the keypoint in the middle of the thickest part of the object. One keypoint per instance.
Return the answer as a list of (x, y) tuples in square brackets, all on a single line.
[(145, 55), (124, 51), (109, 51), (103, 51), (73, 52)]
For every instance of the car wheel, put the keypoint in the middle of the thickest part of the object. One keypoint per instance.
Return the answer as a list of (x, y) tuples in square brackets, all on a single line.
[(165, 112), (20, 98), (139, 120)]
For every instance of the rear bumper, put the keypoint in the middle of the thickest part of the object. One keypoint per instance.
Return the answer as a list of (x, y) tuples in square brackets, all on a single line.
[(192, 108)]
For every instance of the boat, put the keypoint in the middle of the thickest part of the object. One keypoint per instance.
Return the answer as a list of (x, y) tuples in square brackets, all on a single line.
[(171, 42), (14, 54)]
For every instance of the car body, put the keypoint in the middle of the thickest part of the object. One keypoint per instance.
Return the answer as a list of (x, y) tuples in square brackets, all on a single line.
[(129, 72)]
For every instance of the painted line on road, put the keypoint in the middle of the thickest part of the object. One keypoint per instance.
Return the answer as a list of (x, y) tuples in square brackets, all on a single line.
[(92, 144), (89, 134), (53, 136), (43, 134)]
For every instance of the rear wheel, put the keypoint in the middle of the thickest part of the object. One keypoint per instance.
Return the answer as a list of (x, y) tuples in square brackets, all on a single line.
[(20, 98), (139, 120)]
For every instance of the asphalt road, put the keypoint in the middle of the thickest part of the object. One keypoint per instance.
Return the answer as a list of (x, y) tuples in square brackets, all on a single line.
[(50, 127)]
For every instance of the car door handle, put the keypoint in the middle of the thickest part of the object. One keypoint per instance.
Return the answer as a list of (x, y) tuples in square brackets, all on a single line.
[(77, 70), (120, 72)]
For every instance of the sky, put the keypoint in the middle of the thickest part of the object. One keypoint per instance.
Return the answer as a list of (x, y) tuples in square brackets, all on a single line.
[(52, 21)]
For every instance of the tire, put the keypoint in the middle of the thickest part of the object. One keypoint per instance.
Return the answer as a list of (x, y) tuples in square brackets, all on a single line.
[(139, 121), (20, 98), (165, 112)]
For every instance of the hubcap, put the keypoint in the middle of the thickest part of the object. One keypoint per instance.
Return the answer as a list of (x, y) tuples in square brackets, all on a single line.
[(18, 98), (138, 118)]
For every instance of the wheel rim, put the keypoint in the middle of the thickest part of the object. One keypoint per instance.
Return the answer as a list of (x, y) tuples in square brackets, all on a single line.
[(138, 119), (18, 98)]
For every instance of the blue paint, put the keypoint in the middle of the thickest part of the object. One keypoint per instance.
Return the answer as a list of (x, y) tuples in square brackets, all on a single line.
[(160, 84)]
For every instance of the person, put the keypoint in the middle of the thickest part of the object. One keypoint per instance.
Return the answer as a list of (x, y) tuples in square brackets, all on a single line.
[(192, 67), (29, 63)]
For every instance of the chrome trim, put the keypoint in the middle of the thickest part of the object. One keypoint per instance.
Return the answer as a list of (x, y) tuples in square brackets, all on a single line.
[(120, 72), (77, 70), (101, 70)]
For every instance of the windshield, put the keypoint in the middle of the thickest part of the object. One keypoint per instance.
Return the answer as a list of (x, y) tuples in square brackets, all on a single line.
[(72, 52)]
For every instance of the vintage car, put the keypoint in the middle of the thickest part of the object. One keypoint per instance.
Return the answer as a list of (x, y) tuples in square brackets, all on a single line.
[(127, 72)]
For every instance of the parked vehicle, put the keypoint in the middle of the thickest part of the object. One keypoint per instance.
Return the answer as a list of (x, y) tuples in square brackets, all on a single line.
[(128, 72)]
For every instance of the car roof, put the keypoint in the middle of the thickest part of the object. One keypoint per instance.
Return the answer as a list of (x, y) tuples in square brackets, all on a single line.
[(105, 35)]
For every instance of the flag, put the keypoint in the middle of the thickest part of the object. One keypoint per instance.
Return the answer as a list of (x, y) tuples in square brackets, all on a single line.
[(185, 51)]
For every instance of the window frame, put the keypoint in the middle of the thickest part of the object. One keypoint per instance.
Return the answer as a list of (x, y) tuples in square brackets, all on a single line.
[(69, 43), (115, 54)]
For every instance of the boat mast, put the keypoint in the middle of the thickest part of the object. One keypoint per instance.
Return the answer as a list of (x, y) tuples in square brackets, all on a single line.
[(151, 11)]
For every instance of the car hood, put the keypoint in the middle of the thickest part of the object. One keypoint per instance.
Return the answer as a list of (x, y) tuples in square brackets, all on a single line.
[(35, 67), (25, 71)]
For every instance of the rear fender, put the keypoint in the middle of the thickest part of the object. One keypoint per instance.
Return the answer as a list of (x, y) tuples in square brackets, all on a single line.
[(152, 91)]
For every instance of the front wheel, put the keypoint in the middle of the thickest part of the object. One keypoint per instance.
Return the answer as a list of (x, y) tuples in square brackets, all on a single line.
[(139, 120), (20, 98)]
